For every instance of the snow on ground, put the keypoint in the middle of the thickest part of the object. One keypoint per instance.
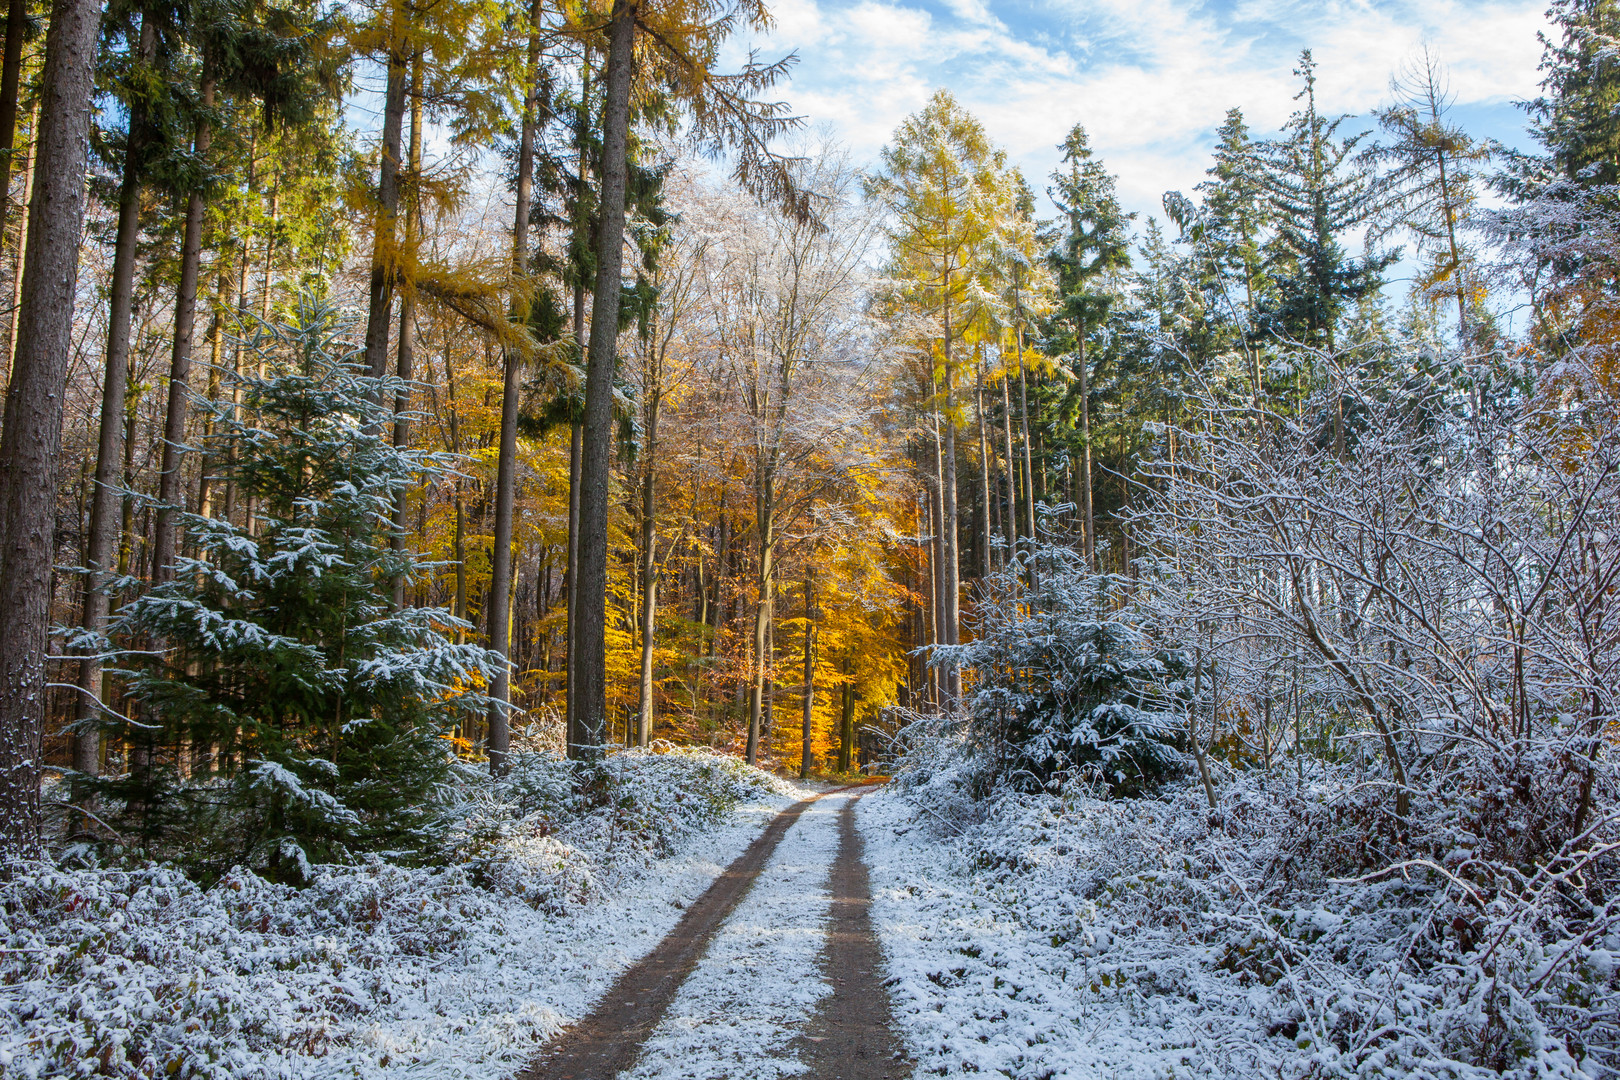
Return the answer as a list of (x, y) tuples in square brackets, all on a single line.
[(977, 990), (537, 974), (373, 971), (735, 1015)]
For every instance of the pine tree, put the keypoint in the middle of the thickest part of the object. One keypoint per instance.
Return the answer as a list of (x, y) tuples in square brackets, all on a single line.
[(1577, 118), (1318, 187), (1096, 245), (316, 716)]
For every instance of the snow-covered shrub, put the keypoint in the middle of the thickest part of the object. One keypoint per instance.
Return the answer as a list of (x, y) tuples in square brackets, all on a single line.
[(1246, 947), (548, 830), (1064, 683), (288, 715)]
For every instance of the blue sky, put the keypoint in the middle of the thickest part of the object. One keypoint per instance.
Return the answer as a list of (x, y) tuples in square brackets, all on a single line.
[(1150, 79)]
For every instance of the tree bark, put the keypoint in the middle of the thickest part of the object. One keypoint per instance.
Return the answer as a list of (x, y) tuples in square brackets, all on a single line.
[(185, 324), (17, 258), (102, 549), (571, 584), (1089, 519), (10, 81), (32, 439), (1010, 521), (765, 516), (384, 256), (649, 566), (984, 479), (500, 562), (846, 722), (407, 323), (809, 675), (1029, 470), (590, 675), (951, 582)]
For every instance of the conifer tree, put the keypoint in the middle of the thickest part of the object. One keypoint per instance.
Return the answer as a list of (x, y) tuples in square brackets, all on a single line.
[(681, 47), (1097, 244), (1577, 117), (31, 441), (1435, 177), (1317, 187), (321, 712), (941, 181)]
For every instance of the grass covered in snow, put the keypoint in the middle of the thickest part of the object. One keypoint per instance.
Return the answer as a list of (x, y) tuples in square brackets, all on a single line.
[(548, 886)]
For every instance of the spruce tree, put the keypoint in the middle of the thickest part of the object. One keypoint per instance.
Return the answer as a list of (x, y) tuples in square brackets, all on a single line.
[(1577, 117), (1318, 187), (1097, 244), (315, 716)]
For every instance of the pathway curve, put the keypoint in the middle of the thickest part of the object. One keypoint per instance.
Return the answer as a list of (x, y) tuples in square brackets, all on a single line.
[(773, 973)]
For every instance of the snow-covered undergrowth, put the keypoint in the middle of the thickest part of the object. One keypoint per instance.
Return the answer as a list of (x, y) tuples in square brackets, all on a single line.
[(755, 986), (550, 884), (1030, 936)]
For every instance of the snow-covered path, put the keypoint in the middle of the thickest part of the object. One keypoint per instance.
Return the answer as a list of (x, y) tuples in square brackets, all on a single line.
[(774, 973), (735, 1016)]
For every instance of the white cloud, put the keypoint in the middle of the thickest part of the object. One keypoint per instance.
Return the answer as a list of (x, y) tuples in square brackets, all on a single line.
[(1150, 79)]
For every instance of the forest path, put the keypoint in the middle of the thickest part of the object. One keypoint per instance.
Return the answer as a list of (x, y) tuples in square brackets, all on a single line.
[(774, 972)]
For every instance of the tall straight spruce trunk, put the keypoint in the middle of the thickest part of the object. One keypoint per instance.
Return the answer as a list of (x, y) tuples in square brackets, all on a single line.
[(384, 257), (185, 326), (590, 674), (32, 440), (500, 561), (101, 549)]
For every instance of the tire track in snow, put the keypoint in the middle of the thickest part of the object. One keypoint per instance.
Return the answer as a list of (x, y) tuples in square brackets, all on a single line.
[(607, 1041), (758, 984)]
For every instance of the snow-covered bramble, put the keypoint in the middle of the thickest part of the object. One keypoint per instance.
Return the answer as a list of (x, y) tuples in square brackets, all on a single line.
[(459, 968)]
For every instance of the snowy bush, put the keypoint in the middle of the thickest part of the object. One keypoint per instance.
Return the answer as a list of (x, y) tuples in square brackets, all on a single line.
[(1254, 947), (545, 830)]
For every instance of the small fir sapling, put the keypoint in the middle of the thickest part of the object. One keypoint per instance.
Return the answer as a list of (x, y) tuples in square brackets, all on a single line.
[(284, 714), (1065, 687)]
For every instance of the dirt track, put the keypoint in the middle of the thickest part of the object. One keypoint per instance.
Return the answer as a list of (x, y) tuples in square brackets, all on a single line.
[(850, 1036)]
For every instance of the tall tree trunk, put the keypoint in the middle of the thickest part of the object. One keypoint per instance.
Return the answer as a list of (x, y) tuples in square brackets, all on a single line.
[(102, 549), (32, 439), (216, 357), (765, 520), (185, 324), (1089, 518), (984, 479), (571, 583), (575, 449), (1029, 471), (951, 583), (10, 81), (590, 676), (846, 722), (407, 323), (649, 566), (936, 567), (1010, 521), (500, 563), (809, 674), (19, 254), (384, 256)]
